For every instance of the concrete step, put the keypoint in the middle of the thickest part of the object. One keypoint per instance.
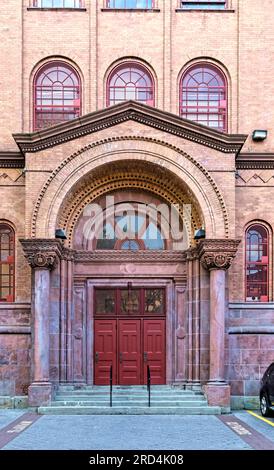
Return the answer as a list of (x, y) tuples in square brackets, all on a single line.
[(119, 387), (128, 400), (82, 396), (94, 410), (128, 392), (136, 403)]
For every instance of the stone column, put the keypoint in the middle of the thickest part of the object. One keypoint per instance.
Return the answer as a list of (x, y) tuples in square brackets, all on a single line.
[(42, 256), (216, 256), (180, 329)]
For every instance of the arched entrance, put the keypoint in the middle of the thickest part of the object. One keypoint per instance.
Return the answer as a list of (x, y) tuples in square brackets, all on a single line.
[(74, 272), (130, 264), (132, 290)]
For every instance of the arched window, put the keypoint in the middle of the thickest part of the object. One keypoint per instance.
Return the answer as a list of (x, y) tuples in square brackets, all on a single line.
[(257, 263), (130, 232), (203, 96), (6, 263), (56, 95), (130, 82)]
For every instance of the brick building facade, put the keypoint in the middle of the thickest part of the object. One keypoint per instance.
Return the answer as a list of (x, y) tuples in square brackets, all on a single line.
[(150, 102)]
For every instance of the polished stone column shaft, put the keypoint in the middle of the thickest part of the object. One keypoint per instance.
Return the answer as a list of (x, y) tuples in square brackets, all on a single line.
[(41, 324), (217, 325)]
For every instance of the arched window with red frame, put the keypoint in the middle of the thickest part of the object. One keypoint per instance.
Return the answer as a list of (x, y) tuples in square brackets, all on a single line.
[(257, 263), (203, 96), (7, 262), (57, 95), (130, 81)]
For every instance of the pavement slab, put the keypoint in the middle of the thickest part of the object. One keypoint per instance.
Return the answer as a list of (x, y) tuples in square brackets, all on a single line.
[(128, 433)]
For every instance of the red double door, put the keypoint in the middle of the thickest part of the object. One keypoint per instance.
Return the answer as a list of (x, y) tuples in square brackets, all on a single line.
[(130, 345)]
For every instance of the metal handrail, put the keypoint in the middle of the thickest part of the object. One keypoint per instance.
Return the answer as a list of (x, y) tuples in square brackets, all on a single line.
[(148, 384), (110, 386)]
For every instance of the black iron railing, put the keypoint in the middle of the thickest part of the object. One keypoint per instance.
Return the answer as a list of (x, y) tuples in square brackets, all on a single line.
[(110, 386), (148, 384)]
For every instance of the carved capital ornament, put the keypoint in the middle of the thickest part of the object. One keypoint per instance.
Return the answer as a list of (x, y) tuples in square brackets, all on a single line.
[(217, 254), (42, 253), (42, 260)]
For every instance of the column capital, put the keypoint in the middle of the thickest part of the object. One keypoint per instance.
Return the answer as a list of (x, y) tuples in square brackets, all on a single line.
[(217, 254), (42, 253), (192, 254)]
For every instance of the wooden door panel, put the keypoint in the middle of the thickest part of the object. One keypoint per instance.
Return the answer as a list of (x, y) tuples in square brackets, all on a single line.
[(155, 350), (129, 333), (105, 351)]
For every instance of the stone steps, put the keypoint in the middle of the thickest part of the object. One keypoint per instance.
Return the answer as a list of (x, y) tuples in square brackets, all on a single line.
[(128, 396), (128, 400), (135, 403), (89, 410)]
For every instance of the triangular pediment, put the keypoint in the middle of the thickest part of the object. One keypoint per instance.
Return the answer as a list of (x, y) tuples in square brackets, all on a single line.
[(134, 111)]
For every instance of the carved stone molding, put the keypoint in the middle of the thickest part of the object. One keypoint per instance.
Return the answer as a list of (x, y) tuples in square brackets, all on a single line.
[(42, 260), (122, 256), (192, 254), (12, 160), (255, 161), (42, 253), (217, 254), (134, 111), (67, 254)]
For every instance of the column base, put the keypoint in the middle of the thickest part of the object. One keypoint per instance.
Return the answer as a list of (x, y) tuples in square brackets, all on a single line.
[(217, 394), (40, 393)]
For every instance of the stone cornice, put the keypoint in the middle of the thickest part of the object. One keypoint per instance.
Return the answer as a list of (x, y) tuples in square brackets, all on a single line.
[(217, 254), (256, 161), (42, 253), (130, 110), (12, 160), (124, 256)]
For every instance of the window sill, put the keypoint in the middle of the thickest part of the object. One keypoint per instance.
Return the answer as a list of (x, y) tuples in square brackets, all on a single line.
[(186, 10), (149, 10), (55, 9)]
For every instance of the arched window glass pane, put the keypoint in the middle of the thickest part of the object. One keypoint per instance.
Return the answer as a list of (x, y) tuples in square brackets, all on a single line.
[(6, 263), (203, 97), (130, 82), (57, 95), (132, 231), (257, 263), (130, 245)]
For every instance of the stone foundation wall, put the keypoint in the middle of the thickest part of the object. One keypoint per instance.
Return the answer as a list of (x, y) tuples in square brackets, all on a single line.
[(249, 347), (15, 347)]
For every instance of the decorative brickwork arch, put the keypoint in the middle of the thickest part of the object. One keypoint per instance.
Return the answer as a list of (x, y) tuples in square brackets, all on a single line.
[(164, 158), (120, 176)]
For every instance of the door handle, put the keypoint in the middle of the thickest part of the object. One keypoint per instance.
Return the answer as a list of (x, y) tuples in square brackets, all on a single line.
[(96, 357), (121, 358), (145, 356)]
